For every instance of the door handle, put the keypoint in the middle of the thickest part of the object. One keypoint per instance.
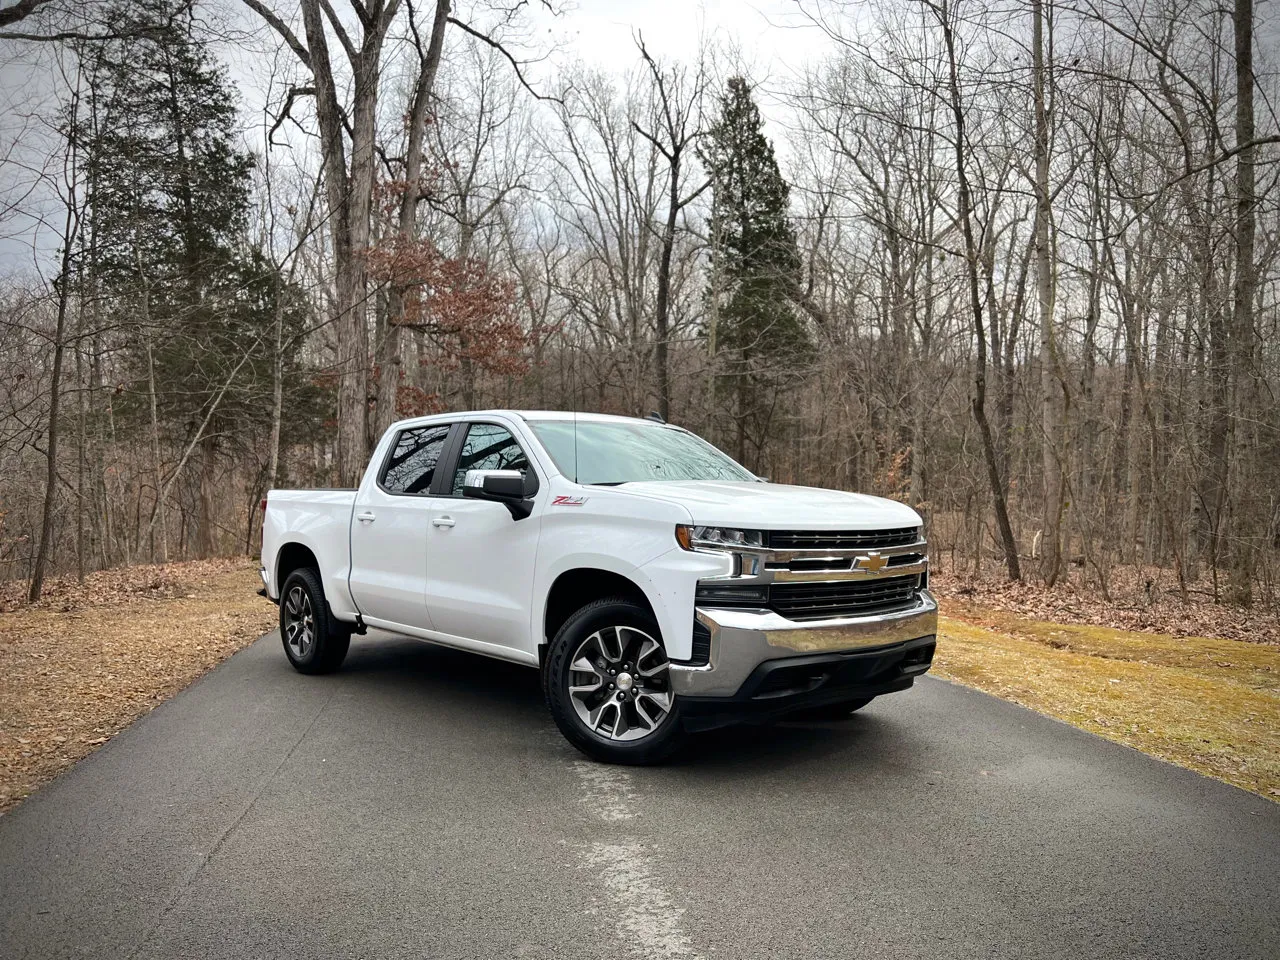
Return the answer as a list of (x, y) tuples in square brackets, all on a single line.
[(442, 521), (366, 517)]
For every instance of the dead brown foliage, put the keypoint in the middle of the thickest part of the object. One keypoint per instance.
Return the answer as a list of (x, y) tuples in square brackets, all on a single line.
[(1138, 599), (90, 658)]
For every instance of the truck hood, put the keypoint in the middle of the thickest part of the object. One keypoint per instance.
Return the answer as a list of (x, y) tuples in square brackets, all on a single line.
[(776, 506)]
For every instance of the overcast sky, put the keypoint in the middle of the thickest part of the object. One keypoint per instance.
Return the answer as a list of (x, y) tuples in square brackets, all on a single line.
[(772, 33), (773, 37)]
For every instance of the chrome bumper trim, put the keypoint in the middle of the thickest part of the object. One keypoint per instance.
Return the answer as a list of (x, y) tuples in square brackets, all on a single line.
[(741, 640)]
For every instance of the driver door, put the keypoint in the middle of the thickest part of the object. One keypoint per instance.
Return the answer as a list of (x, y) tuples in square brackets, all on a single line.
[(480, 560)]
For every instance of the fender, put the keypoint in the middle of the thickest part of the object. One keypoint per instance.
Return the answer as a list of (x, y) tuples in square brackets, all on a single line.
[(594, 561), (667, 582)]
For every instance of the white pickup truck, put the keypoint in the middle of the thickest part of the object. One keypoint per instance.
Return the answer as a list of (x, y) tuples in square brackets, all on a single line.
[(658, 586)]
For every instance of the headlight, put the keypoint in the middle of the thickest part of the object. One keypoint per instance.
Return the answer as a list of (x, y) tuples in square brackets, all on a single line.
[(717, 537)]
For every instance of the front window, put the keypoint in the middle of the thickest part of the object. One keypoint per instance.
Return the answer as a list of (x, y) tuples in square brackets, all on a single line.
[(488, 447), (613, 452)]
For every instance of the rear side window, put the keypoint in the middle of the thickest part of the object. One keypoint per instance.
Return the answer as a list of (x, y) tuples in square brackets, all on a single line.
[(488, 447), (412, 464)]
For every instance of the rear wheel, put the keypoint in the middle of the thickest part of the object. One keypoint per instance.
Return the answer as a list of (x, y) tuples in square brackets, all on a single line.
[(831, 711), (608, 684), (313, 640)]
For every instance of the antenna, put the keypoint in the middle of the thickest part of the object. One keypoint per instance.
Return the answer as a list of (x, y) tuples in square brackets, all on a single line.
[(573, 393)]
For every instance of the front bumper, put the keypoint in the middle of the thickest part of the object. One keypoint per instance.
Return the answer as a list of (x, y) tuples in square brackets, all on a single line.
[(778, 687), (741, 640), (761, 663)]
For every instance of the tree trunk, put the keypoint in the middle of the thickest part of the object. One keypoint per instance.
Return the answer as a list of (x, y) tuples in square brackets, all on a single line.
[(389, 359), (55, 406), (1245, 230), (155, 446), (1050, 406), (206, 535), (663, 310), (277, 387), (972, 256), (350, 201)]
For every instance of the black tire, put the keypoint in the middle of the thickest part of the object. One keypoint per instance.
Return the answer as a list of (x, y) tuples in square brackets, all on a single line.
[(831, 711), (631, 627), (324, 650)]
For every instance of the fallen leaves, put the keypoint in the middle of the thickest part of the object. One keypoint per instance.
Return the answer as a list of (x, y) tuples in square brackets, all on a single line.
[(90, 658), (1142, 598), (161, 581)]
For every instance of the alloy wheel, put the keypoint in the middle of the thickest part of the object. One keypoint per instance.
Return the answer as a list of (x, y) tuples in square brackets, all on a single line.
[(299, 623), (619, 683)]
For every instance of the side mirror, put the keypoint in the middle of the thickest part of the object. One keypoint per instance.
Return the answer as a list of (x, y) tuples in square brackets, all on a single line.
[(514, 489)]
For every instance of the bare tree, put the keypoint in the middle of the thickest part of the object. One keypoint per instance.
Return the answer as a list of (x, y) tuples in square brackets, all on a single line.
[(1051, 379), (679, 97), (349, 176), (62, 286)]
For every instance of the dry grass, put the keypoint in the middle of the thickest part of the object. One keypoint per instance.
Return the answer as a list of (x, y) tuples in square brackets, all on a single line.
[(85, 662), (1207, 703), (89, 659)]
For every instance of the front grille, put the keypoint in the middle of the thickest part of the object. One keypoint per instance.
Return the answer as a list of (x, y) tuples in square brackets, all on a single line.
[(828, 564), (845, 598), (840, 539)]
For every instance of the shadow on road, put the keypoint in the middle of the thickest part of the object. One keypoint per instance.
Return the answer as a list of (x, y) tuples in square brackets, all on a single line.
[(509, 694)]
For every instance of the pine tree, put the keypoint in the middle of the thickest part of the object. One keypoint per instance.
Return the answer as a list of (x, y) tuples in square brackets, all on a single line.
[(756, 265), (168, 206)]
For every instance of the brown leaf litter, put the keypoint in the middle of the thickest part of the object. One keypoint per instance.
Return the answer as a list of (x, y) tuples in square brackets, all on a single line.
[(88, 659)]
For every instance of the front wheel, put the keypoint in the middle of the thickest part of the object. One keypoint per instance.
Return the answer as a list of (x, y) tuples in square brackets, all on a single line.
[(313, 640), (608, 684)]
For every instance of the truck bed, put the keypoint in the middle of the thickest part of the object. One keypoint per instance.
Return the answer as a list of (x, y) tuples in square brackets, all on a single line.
[(319, 519)]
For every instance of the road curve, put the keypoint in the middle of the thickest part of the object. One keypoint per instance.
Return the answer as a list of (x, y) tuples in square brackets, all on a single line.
[(421, 804)]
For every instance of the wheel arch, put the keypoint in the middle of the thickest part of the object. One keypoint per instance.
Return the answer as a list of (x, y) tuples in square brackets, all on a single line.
[(292, 556), (578, 586)]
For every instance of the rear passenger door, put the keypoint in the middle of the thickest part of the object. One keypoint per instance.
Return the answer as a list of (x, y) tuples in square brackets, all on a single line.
[(480, 560), (389, 528)]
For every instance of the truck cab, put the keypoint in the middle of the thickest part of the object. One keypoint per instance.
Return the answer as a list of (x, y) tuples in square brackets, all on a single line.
[(658, 586)]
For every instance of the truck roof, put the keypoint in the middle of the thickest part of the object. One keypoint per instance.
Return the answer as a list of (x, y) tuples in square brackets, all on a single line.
[(580, 415)]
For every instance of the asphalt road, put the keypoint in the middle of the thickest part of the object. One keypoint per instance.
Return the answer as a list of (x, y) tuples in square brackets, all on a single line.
[(421, 804)]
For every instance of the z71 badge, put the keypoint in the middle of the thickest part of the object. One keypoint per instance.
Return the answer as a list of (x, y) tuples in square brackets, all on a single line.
[(568, 501)]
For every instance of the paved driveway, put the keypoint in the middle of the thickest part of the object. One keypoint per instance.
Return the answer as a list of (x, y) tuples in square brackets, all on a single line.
[(421, 804)]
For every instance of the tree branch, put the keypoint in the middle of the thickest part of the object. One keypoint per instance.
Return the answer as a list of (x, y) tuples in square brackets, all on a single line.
[(294, 93), (19, 11), (280, 27), (362, 13), (1207, 165), (340, 31), (485, 38), (653, 140)]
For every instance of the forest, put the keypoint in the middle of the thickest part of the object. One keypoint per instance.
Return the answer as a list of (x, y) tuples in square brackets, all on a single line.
[(1015, 264)]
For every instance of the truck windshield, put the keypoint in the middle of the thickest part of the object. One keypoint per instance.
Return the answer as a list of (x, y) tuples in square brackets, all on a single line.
[(592, 451)]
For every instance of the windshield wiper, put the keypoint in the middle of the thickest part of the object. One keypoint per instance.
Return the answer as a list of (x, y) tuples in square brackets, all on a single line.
[(608, 483)]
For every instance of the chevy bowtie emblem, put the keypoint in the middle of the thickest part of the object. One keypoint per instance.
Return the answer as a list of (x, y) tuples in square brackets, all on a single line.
[(872, 562)]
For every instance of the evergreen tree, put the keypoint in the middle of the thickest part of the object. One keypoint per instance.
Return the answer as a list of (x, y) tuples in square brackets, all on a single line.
[(755, 265), (168, 206)]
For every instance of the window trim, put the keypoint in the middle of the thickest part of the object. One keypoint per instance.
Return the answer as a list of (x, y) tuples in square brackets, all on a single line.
[(446, 451), (455, 454)]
